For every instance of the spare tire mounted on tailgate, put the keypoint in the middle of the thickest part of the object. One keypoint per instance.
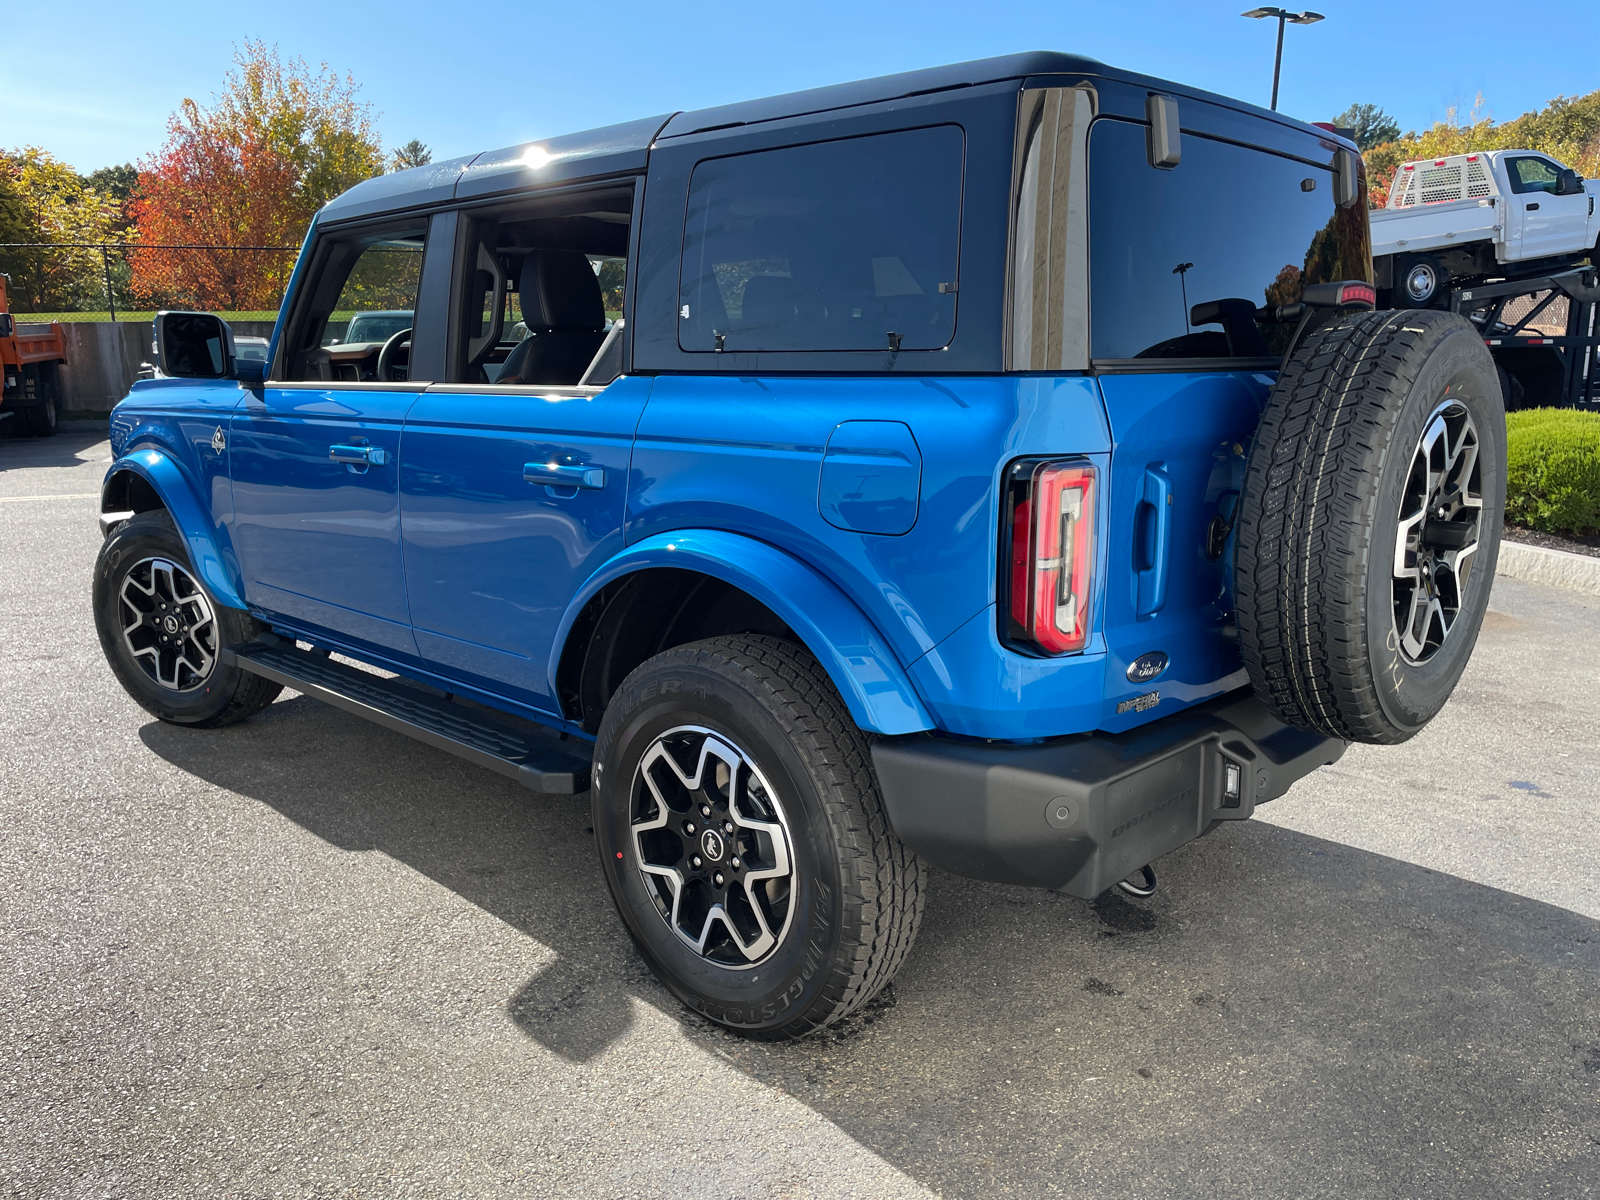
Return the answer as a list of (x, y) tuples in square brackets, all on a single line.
[(1370, 523)]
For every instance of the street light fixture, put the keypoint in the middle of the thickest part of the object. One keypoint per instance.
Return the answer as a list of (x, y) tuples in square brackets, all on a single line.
[(1283, 14)]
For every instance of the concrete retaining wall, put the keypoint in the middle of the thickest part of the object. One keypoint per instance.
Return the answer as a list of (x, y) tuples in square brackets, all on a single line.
[(103, 360)]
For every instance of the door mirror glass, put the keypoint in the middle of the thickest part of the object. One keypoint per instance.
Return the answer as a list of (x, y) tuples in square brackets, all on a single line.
[(191, 345), (6, 325)]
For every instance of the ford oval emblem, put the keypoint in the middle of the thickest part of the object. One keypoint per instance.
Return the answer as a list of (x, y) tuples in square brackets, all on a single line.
[(1147, 667)]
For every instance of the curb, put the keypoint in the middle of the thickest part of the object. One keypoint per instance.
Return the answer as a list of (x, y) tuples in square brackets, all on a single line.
[(1557, 568)]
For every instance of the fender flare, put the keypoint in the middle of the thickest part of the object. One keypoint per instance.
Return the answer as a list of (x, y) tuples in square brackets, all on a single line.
[(168, 480), (855, 655)]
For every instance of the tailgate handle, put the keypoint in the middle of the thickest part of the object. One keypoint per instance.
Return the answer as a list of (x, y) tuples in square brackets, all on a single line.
[(1152, 524)]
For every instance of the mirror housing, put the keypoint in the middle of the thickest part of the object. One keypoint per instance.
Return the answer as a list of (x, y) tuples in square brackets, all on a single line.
[(193, 345), (250, 373), (1567, 182), (8, 326)]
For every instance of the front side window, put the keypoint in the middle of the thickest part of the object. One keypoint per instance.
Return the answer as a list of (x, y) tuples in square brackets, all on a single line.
[(1229, 224), (363, 300), (1532, 175), (846, 245)]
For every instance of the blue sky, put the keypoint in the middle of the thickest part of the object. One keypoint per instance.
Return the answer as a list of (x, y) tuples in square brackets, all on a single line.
[(97, 88)]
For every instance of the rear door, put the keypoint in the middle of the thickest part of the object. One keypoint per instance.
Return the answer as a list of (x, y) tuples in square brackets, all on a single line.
[(514, 475), (1183, 395), (315, 453)]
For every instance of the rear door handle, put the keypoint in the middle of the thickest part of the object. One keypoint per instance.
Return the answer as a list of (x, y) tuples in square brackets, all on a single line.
[(371, 456), (1152, 532), (565, 475)]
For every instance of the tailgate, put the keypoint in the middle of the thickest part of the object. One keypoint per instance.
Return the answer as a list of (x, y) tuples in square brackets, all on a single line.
[(1177, 462)]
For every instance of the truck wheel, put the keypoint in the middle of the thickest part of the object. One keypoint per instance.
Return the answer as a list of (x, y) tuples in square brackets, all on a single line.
[(162, 632), (1370, 524), (743, 837), (1421, 281), (42, 419)]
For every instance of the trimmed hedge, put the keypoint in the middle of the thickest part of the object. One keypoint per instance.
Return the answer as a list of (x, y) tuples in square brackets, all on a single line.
[(1553, 476)]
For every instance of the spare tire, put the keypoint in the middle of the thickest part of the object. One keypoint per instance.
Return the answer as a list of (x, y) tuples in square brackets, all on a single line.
[(1370, 523)]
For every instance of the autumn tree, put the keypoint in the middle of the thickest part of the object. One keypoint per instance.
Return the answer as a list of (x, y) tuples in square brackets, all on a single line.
[(251, 170), (42, 199), (1370, 125)]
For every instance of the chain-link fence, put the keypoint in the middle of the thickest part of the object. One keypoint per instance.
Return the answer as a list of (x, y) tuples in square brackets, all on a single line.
[(63, 278)]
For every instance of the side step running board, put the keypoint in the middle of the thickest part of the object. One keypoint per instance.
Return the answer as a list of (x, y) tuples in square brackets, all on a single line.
[(538, 760)]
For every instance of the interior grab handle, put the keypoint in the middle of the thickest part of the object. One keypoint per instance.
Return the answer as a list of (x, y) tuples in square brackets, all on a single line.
[(565, 475), (1152, 528)]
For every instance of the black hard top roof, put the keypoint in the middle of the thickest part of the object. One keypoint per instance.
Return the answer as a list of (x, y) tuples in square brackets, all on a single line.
[(616, 149)]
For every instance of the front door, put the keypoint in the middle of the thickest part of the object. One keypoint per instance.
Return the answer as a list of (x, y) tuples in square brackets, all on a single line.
[(316, 452), (1548, 224), (514, 478)]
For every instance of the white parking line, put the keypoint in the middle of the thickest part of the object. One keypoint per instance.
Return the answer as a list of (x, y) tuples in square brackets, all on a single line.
[(62, 496)]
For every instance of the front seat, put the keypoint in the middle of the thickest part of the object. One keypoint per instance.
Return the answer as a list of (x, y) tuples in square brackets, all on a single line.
[(566, 319)]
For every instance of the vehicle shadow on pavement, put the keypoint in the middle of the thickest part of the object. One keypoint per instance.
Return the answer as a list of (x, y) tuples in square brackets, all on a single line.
[(65, 449), (1287, 1016)]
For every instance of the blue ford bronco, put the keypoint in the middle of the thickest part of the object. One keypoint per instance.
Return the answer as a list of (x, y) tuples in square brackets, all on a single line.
[(1001, 467)]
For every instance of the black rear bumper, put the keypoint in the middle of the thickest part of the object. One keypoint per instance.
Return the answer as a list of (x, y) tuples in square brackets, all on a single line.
[(1082, 812)]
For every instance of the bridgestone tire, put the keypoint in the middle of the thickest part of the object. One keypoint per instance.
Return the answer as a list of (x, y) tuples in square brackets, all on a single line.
[(1330, 475), (226, 694), (856, 894)]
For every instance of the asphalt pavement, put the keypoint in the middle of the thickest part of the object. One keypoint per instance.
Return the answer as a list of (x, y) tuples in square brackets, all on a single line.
[(305, 957)]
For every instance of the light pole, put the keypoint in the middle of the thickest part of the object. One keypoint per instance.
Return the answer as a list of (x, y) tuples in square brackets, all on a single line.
[(1283, 14)]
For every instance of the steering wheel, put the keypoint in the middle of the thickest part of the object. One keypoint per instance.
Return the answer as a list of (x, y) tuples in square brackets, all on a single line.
[(403, 338)]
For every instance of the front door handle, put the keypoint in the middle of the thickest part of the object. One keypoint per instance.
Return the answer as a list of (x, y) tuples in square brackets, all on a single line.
[(368, 456), (565, 475), (1533, 208)]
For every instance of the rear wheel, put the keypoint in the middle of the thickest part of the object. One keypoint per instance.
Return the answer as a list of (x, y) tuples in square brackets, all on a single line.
[(1421, 281), (1370, 524), (163, 633), (744, 840)]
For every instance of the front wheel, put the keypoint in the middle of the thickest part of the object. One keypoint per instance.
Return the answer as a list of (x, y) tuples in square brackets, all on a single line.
[(163, 634), (743, 837)]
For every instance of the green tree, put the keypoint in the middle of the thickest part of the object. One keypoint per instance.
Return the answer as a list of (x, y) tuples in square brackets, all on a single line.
[(1372, 125), (412, 154), (44, 200)]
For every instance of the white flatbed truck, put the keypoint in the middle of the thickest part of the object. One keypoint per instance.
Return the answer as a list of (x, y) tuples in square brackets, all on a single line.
[(1494, 214)]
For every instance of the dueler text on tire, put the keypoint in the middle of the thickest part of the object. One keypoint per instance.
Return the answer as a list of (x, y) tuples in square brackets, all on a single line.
[(1370, 523), (744, 840), (162, 632)]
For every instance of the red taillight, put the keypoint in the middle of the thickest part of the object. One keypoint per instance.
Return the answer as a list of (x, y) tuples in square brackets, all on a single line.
[(1358, 293), (1052, 555)]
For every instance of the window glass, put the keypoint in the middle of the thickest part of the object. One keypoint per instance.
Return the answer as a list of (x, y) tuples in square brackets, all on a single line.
[(379, 296), (1532, 175), (846, 245), (1228, 223)]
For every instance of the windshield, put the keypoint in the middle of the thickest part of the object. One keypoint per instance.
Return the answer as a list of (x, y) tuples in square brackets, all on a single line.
[(376, 326)]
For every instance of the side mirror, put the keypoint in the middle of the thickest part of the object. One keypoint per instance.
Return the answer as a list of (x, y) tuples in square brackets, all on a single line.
[(1567, 183), (191, 345), (250, 372), (7, 325)]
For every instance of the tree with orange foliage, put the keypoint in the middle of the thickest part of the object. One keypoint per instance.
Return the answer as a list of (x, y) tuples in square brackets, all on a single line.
[(280, 142)]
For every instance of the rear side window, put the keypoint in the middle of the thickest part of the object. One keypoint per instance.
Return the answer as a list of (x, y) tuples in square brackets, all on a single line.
[(846, 245), (1228, 223)]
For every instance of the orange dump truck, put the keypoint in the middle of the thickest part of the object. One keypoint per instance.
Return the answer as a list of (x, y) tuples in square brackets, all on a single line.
[(31, 356)]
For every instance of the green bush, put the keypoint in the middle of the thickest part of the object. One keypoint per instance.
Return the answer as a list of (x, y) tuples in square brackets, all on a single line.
[(1553, 476)]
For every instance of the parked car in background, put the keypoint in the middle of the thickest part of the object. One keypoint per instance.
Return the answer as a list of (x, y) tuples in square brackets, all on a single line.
[(1453, 221), (808, 582)]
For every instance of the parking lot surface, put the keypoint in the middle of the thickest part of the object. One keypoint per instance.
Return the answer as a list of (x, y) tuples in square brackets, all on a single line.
[(306, 957)]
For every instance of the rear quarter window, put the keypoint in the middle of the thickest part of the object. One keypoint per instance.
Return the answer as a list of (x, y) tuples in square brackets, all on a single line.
[(842, 245), (1228, 222)]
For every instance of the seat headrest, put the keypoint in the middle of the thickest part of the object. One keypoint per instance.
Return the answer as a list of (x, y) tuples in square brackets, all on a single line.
[(559, 291)]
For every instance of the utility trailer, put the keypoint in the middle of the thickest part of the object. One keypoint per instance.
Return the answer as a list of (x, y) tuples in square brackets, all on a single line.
[(1539, 367)]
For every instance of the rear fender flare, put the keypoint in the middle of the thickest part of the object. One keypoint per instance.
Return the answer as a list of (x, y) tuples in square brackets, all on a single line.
[(856, 656), (177, 493)]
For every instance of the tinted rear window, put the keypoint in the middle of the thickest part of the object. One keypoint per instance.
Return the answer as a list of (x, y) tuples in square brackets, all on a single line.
[(1228, 222), (832, 246)]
